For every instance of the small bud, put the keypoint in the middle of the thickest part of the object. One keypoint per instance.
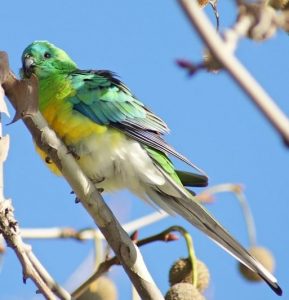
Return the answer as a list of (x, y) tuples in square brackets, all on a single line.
[(101, 289), (265, 257), (183, 291), (203, 3), (189, 66), (170, 237), (2, 247), (134, 236), (181, 271), (205, 197)]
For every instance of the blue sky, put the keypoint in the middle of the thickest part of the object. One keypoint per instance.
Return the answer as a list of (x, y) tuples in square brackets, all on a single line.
[(211, 120)]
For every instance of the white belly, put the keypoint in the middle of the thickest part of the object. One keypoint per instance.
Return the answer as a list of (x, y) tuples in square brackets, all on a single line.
[(117, 165)]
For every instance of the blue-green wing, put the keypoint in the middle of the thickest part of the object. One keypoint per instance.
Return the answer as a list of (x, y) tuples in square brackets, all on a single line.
[(107, 101)]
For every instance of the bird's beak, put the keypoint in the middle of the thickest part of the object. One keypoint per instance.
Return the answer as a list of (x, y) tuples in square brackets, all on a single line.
[(28, 65)]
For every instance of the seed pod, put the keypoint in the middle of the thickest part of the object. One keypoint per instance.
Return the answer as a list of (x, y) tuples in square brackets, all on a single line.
[(266, 25), (203, 276), (183, 291), (211, 64), (101, 289), (265, 257), (278, 4), (181, 271)]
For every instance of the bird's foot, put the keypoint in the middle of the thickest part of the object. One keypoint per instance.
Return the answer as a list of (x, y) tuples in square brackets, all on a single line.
[(100, 190), (71, 150), (98, 180)]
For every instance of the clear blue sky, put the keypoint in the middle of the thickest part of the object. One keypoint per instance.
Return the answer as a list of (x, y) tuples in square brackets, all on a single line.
[(211, 120)]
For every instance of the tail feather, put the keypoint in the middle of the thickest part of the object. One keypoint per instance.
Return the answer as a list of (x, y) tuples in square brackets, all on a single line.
[(198, 216)]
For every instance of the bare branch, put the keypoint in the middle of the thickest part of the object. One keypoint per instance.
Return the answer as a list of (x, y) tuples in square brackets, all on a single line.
[(9, 226), (238, 72), (10, 231), (87, 233), (46, 139)]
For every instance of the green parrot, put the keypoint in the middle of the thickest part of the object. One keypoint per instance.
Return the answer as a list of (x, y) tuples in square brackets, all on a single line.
[(119, 142)]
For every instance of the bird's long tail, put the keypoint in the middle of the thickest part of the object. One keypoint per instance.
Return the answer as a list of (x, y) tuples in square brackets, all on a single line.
[(184, 205)]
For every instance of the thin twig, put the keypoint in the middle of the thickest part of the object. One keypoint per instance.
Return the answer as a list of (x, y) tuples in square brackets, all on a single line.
[(88, 233), (237, 190), (214, 5), (191, 252), (232, 35), (238, 72), (103, 267), (250, 223)]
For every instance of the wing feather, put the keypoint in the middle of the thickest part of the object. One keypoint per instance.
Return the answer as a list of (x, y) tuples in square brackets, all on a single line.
[(107, 101)]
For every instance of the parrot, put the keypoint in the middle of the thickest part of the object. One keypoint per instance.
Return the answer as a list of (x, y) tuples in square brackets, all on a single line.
[(119, 143)]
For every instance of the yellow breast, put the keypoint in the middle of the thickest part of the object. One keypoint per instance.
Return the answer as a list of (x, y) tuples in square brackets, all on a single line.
[(69, 125), (73, 128)]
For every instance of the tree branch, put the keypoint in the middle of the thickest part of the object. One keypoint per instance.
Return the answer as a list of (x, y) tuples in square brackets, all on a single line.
[(9, 227), (243, 78), (10, 232), (21, 92)]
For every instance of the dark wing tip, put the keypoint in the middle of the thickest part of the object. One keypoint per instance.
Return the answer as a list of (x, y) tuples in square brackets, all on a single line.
[(190, 179), (203, 180), (277, 289), (274, 286)]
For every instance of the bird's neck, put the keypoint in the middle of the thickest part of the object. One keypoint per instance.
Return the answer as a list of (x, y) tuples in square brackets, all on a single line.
[(53, 89)]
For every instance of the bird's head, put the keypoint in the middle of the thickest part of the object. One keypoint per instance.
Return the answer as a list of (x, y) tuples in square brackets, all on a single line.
[(44, 59)]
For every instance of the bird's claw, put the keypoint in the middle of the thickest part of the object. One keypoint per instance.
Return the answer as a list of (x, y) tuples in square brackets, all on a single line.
[(72, 151), (100, 190)]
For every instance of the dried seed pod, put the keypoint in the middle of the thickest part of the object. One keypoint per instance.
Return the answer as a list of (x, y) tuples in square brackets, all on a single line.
[(181, 271), (210, 63), (183, 291), (265, 257), (203, 276), (278, 4), (101, 289), (265, 26), (286, 6)]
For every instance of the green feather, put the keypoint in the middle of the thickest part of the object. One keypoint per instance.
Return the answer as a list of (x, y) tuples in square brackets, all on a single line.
[(164, 162), (105, 99)]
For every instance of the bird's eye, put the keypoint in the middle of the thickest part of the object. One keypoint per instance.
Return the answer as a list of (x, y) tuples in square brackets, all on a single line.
[(47, 55)]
